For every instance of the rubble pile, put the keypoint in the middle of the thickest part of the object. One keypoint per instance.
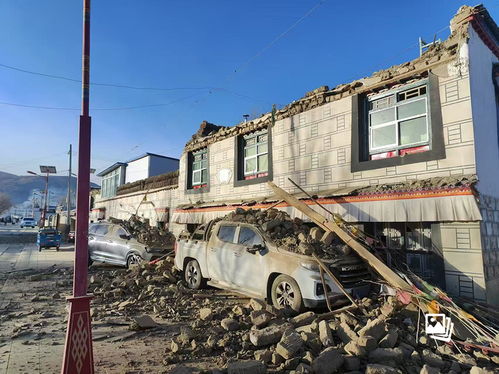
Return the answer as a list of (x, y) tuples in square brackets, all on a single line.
[(289, 233), (421, 184), (144, 233), (158, 181), (380, 336)]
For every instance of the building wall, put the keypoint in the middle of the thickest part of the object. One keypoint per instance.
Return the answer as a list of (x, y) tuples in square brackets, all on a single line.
[(460, 244), (153, 205), (489, 207), (161, 165), (314, 149), (485, 119), (137, 170)]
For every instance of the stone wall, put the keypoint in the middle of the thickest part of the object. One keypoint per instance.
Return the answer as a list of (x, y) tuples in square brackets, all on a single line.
[(489, 207)]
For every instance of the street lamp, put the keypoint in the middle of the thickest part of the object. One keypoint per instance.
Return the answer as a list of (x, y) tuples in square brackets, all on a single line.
[(78, 352), (45, 170)]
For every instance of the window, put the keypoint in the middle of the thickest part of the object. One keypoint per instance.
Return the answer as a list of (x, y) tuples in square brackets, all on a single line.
[(199, 233), (248, 237), (111, 182), (227, 233), (121, 231), (398, 123), (101, 230), (199, 168), (256, 149)]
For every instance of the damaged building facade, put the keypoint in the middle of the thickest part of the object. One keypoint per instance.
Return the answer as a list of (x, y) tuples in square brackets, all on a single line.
[(410, 154)]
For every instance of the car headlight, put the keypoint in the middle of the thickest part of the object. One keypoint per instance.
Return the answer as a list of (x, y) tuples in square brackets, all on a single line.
[(312, 266)]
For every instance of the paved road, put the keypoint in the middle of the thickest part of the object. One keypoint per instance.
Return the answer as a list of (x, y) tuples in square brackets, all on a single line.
[(10, 229), (30, 341)]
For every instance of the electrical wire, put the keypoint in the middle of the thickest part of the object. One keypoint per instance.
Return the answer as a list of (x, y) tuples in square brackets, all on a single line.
[(98, 109), (54, 76)]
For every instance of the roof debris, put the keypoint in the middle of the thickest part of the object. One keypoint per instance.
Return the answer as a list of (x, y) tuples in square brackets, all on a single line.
[(436, 54)]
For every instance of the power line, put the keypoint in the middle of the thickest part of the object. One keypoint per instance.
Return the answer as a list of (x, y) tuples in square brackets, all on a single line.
[(99, 109), (280, 36), (54, 76)]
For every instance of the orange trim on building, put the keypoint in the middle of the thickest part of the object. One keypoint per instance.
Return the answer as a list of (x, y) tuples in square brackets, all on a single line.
[(409, 195)]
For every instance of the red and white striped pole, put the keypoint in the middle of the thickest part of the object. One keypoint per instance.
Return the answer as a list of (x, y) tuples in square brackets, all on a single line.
[(78, 353)]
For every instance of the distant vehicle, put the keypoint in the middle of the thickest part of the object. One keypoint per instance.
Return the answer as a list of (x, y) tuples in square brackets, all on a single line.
[(241, 257), (28, 222), (48, 237), (71, 237), (113, 244)]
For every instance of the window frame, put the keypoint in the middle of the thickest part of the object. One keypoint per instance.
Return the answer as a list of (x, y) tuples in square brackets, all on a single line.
[(360, 158), (240, 179), (189, 173), (255, 135), (397, 146), (236, 233), (241, 227)]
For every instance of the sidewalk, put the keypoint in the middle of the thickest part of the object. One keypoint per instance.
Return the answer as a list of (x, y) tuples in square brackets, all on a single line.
[(32, 307)]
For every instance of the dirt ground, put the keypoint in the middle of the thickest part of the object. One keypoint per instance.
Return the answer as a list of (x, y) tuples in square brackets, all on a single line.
[(33, 326)]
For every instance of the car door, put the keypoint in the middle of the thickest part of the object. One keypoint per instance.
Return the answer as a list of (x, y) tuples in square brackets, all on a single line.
[(220, 253), (97, 241), (251, 266), (117, 246)]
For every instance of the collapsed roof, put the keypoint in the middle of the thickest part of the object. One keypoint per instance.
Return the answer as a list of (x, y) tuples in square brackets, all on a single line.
[(436, 54)]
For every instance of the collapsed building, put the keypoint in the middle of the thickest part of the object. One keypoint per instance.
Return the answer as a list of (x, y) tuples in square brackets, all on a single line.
[(409, 154)]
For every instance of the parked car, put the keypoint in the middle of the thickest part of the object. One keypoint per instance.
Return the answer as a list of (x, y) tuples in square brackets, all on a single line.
[(241, 257), (28, 222), (48, 237), (71, 237), (112, 243)]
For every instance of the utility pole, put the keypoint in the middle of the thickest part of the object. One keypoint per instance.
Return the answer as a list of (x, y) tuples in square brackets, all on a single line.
[(68, 200), (78, 352), (44, 211)]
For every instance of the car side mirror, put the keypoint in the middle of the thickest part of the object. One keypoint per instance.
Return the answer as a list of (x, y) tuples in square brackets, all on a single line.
[(125, 236), (255, 248)]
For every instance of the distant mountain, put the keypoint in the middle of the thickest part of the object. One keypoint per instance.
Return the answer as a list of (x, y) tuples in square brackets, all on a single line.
[(20, 187)]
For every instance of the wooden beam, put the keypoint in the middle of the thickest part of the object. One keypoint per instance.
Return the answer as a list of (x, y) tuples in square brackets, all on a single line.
[(384, 271)]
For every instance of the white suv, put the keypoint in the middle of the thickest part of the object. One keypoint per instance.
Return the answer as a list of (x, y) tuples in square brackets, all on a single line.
[(28, 222)]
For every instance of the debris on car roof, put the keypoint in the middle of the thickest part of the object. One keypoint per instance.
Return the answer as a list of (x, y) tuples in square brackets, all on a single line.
[(291, 234), (144, 233)]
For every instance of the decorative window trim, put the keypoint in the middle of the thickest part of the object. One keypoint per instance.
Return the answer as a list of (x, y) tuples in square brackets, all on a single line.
[(240, 177), (198, 187), (360, 146)]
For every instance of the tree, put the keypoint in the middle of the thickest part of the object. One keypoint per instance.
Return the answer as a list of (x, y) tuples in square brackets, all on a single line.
[(5, 202)]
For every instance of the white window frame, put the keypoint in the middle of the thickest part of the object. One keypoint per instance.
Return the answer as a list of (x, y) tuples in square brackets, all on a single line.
[(257, 154), (199, 171), (397, 104)]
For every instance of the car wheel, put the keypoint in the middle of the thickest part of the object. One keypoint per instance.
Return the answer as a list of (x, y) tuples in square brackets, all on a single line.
[(133, 259), (192, 275), (285, 293)]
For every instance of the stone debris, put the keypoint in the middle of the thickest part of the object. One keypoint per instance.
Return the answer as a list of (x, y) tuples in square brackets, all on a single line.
[(290, 234), (254, 337), (144, 233)]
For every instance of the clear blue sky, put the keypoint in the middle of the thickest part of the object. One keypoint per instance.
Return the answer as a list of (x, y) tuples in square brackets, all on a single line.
[(186, 44)]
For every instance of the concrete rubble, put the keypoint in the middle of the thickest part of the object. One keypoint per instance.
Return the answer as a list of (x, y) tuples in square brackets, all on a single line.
[(143, 232), (290, 234), (250, 336)]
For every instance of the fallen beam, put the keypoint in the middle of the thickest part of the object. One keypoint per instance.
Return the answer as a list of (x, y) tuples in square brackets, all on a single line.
[(384, 271)]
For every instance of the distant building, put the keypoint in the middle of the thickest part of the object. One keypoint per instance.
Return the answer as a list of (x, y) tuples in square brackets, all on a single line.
[(141, 167), (149, 165), (112, 178)]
